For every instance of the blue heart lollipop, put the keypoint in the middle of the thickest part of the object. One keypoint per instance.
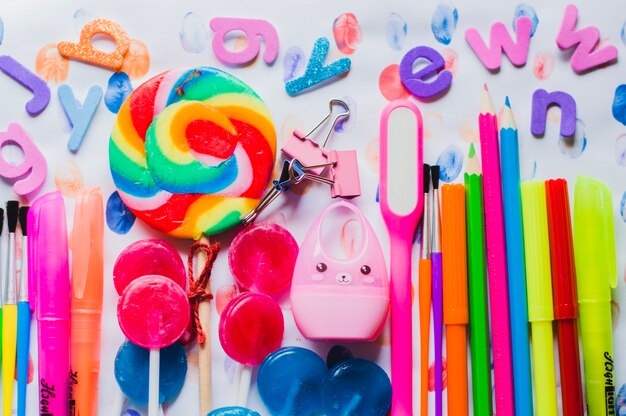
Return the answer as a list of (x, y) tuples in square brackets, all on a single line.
[(131, 371), (296, 381), (356, 387), (233, 411), (290, 381)]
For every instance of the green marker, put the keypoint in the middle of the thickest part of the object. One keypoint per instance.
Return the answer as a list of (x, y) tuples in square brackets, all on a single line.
[(596, 274), (479, 324)]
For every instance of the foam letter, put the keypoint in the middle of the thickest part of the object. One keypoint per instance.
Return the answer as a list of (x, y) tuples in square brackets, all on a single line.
[(39, 88), (542, 100), (84, 50), (500, 41), (253, 28), (34, 164), (585, 41), (80, 116), (416, 82), (316, 72)]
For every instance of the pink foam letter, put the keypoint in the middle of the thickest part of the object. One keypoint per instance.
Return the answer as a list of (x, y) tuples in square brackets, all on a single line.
[(500, 41), (542, 99), (253, 28), (34, 164), (585, 41)]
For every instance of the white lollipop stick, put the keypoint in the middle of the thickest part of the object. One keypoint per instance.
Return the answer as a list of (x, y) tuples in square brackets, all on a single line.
[(118, 403), (352, 405), (153, 383), (244, 385)]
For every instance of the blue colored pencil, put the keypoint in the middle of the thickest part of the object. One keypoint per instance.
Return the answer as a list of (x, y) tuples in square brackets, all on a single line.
[(515, 263)]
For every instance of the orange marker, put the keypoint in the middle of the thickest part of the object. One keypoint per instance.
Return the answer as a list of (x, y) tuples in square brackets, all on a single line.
[(425, 285), (455, 301), (86, 304)]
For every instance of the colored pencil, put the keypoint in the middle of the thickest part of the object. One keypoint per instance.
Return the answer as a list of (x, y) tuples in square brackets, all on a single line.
[(496, 258), (520, 343)]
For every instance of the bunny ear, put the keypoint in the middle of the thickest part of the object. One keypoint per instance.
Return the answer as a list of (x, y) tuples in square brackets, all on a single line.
[(356, 386)]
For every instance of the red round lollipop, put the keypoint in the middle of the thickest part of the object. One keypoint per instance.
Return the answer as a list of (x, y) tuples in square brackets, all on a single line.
[(251, 326), (153, 311), (262, 258), (144, 257)]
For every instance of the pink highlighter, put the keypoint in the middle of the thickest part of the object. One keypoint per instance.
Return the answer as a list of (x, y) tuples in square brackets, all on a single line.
[(48, 271), (340, 299), (401, 203)]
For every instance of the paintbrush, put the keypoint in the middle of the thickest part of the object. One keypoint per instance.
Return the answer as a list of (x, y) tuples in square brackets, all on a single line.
[(9, 314), (23, 320)]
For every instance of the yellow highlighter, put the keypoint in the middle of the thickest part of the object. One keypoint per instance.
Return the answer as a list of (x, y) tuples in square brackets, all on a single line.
[(539, 294), (596, 272)]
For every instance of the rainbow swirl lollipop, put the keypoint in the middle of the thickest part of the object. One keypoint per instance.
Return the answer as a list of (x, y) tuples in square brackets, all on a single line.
[(192, 151)]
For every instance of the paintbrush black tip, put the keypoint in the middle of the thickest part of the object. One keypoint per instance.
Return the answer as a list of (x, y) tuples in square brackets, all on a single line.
[(426, 178), (434, 173), (1, 220), (13, 208), (23, 220)]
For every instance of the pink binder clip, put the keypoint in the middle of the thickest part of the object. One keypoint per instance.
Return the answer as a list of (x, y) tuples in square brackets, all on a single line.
[(300, 147), (338, 166), (344, 172)]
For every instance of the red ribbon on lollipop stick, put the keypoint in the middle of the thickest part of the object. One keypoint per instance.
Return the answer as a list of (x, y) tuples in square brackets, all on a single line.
[(199, 289), (199, 296)]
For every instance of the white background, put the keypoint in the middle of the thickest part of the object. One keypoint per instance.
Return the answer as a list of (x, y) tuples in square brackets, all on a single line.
[(29, 25)]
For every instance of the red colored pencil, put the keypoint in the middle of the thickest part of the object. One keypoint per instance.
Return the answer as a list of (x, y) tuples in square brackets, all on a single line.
[(565, 298)]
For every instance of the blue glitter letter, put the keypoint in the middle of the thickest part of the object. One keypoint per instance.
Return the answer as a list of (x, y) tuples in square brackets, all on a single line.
[(316, 72)]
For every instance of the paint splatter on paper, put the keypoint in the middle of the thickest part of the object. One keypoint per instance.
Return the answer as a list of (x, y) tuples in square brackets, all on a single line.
[(444, 21), (347, 33), (396, 31)]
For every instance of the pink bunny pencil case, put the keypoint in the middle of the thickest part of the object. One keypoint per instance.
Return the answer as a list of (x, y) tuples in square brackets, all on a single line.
[(340, 299)]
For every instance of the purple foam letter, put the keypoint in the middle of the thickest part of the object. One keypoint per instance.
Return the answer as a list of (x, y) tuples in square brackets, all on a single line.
[(542, 99), (416, 82), (40, 90)]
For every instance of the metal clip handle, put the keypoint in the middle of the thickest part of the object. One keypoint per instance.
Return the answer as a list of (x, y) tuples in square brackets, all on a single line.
[(293, 172), (346, 113)]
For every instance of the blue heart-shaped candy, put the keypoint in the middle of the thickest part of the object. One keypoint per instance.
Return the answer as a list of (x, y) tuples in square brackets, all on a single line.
[(296, 381)]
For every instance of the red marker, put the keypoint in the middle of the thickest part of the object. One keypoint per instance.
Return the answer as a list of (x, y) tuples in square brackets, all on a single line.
[(565, 297)]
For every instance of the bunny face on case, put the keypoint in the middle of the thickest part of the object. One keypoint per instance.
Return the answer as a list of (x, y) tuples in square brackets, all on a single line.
[(345, 273), (344, 298)]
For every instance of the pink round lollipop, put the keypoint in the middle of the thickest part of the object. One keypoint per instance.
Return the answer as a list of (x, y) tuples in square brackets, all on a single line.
[(262, 258), (144, 257), (153, 311), (251, 326)]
